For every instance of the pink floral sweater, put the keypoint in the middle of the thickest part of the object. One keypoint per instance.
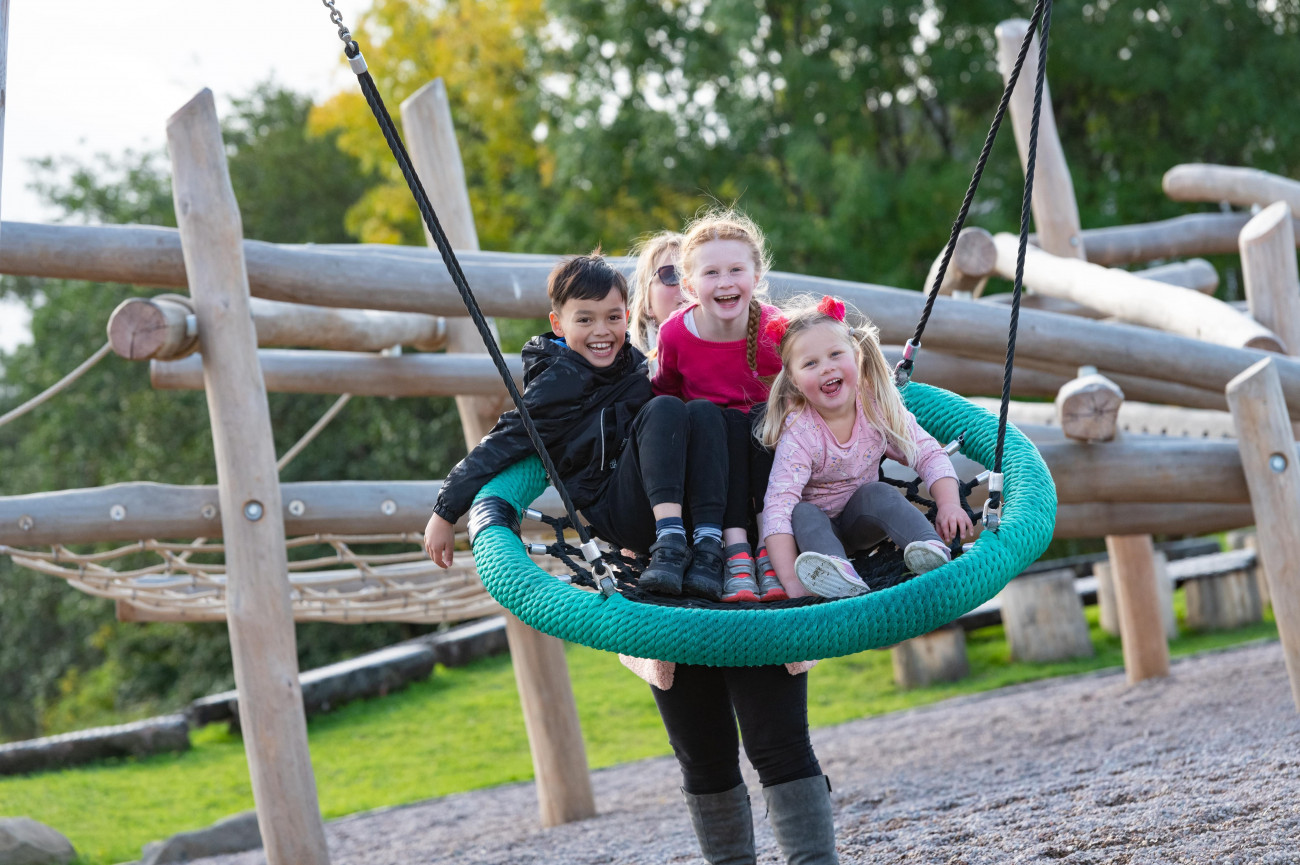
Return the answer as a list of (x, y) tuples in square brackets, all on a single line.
[(811, 466)]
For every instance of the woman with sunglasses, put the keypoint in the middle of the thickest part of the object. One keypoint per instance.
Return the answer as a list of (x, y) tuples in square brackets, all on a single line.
[(656, 290)]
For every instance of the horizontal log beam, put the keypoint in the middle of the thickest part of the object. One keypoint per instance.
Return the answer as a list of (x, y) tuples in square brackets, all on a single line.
[(338, 372), (1244, 187), (143, 511), (1182, 236), (1131, 298), (1099, 519), (511, 286)]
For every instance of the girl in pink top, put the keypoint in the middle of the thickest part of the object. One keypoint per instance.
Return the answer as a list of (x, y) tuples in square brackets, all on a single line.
[(714, 349), (833, 415)]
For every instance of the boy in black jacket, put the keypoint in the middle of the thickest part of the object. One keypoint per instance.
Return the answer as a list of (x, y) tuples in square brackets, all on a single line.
[(629, 461)]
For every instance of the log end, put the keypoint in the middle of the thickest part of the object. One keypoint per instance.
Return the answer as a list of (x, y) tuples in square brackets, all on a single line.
[(1267, 342), (137, 329)]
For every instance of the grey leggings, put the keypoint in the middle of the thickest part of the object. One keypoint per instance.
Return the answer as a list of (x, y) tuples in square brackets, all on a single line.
[(876, 511)]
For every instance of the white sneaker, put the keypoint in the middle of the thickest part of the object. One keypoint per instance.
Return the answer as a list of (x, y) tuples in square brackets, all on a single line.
[(923, 556), (828, 576)]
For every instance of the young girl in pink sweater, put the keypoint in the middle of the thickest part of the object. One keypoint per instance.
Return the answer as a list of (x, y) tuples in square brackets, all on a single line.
[(833, 415), (714, 349)]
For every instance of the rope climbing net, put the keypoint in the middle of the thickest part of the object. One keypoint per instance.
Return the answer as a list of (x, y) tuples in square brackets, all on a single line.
[(333, 580)]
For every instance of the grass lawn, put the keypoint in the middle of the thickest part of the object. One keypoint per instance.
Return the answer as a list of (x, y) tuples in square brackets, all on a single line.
[(462, 730)]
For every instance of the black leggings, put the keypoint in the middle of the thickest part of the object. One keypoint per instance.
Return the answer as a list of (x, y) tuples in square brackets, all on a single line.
[(700, 712), (675, 454), (748, 467)]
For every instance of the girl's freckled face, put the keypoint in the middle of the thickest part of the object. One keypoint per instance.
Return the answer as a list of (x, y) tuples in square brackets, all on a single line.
[(723, 276)]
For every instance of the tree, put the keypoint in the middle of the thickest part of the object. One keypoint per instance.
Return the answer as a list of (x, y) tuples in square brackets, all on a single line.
[(62, 656)]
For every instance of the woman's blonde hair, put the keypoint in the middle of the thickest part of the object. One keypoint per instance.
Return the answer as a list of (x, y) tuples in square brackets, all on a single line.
[(641, 320), (881, 401), (731, 224)]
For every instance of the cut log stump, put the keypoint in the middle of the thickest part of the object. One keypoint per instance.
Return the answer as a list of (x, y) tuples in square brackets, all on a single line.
[(1108, 611), (1044, 619), (1228, 600), (939, 656)]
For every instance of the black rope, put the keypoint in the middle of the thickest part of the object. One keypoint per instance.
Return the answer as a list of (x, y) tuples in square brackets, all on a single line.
[(1013, 78), (395, 144), (995, 496)]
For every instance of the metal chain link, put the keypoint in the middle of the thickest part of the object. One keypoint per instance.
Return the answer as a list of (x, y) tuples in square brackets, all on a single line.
[(336, 17)]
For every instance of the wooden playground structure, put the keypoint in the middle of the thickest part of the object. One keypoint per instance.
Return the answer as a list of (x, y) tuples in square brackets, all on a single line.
[(1217, 387)]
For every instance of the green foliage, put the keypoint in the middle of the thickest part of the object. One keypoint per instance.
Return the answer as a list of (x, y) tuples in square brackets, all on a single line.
[(64, 661), (463, 729)]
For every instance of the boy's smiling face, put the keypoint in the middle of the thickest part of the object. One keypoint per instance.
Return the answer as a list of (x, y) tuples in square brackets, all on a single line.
[(595, 329)]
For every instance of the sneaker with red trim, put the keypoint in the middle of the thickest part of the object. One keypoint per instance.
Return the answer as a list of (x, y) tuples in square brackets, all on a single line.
[(739, 583), (769, 586), (828, 576)]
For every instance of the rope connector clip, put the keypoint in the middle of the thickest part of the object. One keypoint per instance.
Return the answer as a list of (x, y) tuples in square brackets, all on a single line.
[(992, 516), (903, 371)]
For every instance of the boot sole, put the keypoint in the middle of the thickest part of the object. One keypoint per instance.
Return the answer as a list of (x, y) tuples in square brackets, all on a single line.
[(825, 579)]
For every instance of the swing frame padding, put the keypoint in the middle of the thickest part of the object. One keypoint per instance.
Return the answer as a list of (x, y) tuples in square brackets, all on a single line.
[(755, 636)]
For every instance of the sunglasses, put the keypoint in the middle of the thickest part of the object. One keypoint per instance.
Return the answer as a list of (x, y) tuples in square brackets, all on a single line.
[(668, 274)]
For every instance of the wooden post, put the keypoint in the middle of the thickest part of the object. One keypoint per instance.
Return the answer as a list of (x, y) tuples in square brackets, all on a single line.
[(1268, 268), (1241, 186), (550, 714), (1137, 601), (1269, 458), (4, 72), (262, 641)]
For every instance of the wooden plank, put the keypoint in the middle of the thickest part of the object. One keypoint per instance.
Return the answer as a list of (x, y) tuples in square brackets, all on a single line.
[(1269, 272), (262, 640), (1273, 475), (1132, 299), (337, 372), (541, 672), (1243, 187)]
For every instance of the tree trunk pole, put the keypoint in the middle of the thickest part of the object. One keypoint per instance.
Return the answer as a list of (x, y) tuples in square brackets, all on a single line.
[(564, 789), (1273, 476), (1137, 605), (262, 640), (1268, 266), (4, 74)]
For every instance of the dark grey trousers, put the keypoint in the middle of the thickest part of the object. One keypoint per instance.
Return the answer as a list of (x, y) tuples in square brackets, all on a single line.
[(876, 511)]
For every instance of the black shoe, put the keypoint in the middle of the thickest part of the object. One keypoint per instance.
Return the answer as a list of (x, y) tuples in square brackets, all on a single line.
[(663, 575), (704, 577)]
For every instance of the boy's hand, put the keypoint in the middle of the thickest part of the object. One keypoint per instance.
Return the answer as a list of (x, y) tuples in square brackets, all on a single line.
[(951, 522), (440, 541)]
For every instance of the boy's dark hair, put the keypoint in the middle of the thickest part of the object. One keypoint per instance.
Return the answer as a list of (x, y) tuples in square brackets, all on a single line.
[(583, 277)]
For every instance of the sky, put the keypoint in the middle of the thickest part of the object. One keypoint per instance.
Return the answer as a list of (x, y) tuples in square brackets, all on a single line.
[(92, 76)]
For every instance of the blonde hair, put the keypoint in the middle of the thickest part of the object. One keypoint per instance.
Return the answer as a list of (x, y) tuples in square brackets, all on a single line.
[(641, 320), (881, 401), (731, 224)]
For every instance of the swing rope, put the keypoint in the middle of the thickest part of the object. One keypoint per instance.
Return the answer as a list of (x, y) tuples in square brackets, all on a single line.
[(604, 575), (903, 372)]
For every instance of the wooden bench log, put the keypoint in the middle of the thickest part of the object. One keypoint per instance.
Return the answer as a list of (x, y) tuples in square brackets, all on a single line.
[(1224, 601), (1044, 619), (939, 656), (1107, 607), (1243, 187)]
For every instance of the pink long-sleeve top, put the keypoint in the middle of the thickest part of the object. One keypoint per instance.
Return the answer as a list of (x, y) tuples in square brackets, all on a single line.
[(811, 466), (691, 367)]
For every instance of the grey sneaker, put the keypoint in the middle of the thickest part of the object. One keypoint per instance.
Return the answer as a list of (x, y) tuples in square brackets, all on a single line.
[(828, 576), (769, 587), (923, 556), (740, 584)]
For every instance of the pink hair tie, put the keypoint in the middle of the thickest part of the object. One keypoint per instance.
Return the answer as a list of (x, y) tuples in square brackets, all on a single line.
[(832, 306)]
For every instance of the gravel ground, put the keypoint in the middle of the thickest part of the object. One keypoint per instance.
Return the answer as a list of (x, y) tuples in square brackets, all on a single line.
[(1201, 767)]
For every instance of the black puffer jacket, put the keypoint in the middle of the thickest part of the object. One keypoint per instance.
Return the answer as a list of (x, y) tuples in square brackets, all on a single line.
[(583, 414)]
